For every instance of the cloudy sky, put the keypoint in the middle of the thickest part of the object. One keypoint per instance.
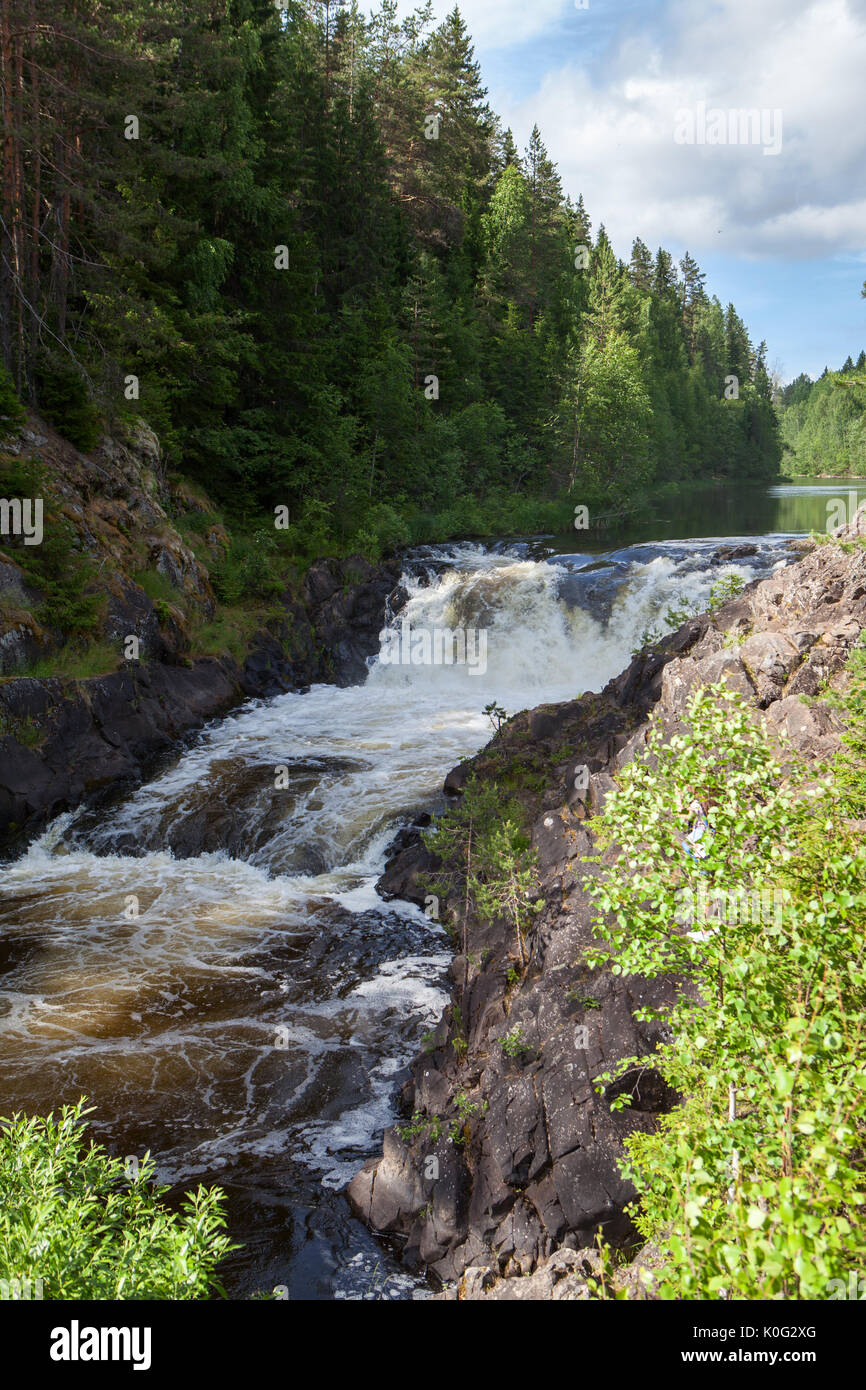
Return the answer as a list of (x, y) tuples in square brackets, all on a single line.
[(783, 235)]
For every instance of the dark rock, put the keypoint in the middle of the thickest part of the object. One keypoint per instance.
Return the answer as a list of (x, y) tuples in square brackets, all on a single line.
[(106, 732), (726, 553), (537, 1169)]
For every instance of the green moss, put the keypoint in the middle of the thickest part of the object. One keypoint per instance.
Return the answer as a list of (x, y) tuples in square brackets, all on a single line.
[(26, 731), (158, 587), (76, 663)]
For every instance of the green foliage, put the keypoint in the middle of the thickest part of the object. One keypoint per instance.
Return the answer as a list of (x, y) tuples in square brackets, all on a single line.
[(486, 858), (285, 264), (753, 1186), (64, 400), (157, 586), (504, 879), (383, 531), (249, 568), (65, 576), (514, 1043), (496, 714), (725, 589), (458, 1130), (11, 409), (72, 1216), (428, 1125), (823, 424), (77, 661), (23, 730)]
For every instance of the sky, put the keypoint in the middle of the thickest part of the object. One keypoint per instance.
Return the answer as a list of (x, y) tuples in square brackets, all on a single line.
[(623, 91)]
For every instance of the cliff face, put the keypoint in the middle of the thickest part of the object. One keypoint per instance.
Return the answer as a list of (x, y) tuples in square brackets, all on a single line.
[(526, 1150), (65, 740)]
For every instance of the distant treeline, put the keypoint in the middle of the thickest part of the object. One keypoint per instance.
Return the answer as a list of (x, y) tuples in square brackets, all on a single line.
[(299, 242), (823, 422)]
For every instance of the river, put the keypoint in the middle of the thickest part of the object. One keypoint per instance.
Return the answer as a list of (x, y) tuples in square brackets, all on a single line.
[(208, 960)]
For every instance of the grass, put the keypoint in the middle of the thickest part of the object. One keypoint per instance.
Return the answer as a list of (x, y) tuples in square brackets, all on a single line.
[(228, 633), (157, 587), (73, 663), (25, 731)]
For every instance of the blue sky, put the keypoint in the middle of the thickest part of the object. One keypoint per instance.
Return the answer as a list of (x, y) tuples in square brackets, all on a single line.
[(781, 234)]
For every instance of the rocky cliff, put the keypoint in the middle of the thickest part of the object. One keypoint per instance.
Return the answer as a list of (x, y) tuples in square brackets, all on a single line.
[(525, 1151), (118, 515)]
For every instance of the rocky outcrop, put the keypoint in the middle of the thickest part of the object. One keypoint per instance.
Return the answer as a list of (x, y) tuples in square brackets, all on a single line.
[(510, 1163), (65, 741), (116, 504)]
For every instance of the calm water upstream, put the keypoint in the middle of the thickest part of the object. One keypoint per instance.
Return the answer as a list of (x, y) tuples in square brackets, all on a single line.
[(249, 1027)]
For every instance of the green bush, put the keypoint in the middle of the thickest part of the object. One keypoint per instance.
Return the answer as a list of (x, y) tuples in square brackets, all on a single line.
[(56, 566), (11, 409), (753, 1187), (383, 531), (157, 586), (248, 569), (74, 1218), (64, 400)]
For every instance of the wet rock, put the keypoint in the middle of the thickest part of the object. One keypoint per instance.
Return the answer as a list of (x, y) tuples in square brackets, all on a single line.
[(131, 613), (726, 553), (406, 874), (348, 601)]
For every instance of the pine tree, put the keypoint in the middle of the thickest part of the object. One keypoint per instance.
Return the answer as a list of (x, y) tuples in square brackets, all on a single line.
[(641, 266)]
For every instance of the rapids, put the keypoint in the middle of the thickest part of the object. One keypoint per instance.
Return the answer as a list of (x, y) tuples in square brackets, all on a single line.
[(207, 960)]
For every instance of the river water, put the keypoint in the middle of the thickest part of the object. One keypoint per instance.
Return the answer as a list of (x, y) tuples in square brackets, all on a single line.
[(208, 961)]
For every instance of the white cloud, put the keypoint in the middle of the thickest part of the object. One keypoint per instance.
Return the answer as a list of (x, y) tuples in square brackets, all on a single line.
[(611, 128), (503, 23)]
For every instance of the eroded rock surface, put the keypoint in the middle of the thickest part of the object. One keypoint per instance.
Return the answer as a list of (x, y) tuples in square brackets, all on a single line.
[(524, 1151), (63, 741)]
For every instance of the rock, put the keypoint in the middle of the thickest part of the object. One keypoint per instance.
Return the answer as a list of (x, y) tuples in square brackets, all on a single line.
[(15, 590), (102, 733), (348, 601), (561, 1277), (405, 874), (810, 729), (600, 787), (726, 553), (457, 778), (537, 1171), (131, 613), (855, 528)]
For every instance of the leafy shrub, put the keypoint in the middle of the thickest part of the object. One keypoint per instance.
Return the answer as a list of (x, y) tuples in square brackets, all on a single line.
[(754, 1185), (486, 854), (248, 568), (157, 586), (72, 1216), (384, 530)]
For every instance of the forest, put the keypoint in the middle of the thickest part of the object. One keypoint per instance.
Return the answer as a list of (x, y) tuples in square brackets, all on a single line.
[(301, 245), (823, 422)]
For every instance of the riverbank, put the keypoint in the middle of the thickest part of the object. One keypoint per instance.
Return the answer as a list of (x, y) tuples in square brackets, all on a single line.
[(508, 1155), (117, 634)]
